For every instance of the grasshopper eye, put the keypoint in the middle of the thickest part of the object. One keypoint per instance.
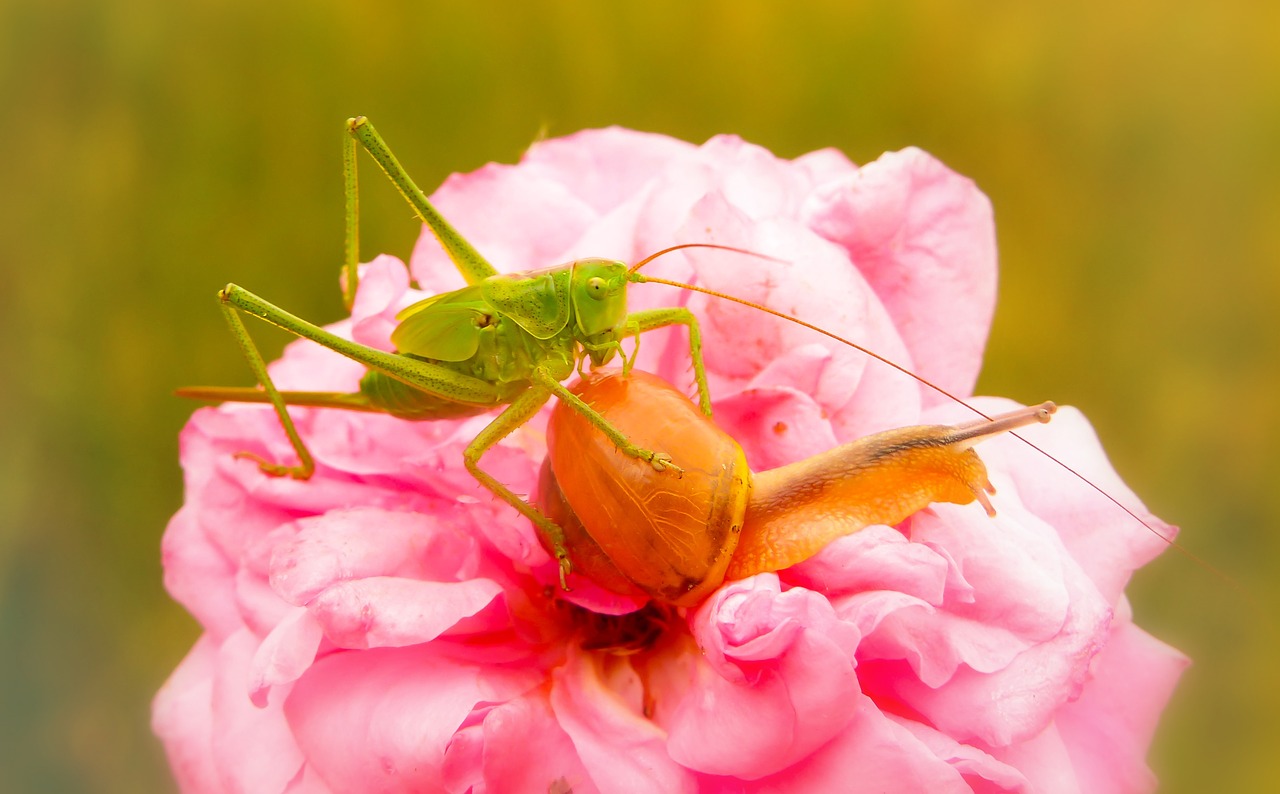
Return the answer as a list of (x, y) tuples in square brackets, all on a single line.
[(597, 287)]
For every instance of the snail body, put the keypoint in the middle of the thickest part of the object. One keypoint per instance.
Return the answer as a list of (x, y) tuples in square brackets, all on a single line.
[(678, 538)]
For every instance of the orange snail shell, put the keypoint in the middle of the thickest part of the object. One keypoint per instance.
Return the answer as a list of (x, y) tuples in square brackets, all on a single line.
[(672, 536)]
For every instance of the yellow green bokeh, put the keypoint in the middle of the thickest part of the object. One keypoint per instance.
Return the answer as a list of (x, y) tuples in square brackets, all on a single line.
[(156, 150)]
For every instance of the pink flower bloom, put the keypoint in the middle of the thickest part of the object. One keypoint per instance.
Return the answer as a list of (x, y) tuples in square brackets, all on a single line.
[(388, 626)]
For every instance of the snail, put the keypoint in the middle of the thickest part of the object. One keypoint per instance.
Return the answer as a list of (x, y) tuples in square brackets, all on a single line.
[(678, 539)]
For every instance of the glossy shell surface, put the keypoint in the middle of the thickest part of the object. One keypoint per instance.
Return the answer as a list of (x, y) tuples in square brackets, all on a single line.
[(670, 535)]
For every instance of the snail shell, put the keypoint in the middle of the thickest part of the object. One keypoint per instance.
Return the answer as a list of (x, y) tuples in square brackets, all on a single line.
[(668, 534)]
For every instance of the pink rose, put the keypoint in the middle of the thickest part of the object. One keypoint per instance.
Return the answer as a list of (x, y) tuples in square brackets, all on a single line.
[(388, 626)]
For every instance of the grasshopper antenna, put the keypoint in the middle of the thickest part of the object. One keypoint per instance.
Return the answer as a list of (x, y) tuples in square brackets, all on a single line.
[(641, 279), (631, 270)]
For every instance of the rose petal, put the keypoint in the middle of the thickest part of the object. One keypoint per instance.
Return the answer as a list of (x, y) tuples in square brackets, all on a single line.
[(384, 611), (872, 754), (182, 717), (923, 237), (253, 746), (526, 749), (342, 545), (1108, 729), (384, 290), (621, 750), (775, 426), (400, 706), (778, 685), (981, 770), (481, 203), (604, 168), (1106, 541), (285, 654), (874, 558)]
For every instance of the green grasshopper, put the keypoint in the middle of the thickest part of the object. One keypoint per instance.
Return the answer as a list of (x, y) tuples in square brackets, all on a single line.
[(505, 339)]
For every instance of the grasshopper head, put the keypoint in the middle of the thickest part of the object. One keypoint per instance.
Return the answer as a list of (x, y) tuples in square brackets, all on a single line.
[(599, 293)]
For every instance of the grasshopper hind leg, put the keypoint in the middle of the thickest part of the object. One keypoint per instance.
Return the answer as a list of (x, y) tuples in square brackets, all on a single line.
[(475, 394), (306, 464)]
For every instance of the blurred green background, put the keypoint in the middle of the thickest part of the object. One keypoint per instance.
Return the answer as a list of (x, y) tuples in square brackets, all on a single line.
[(156, 150)]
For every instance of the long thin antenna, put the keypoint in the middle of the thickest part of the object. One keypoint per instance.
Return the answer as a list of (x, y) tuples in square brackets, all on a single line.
[(683, 246), (742, 301)]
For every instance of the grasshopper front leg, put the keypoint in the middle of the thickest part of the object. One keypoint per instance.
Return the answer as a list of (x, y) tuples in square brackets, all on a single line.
[(660, 461), (661, 318)]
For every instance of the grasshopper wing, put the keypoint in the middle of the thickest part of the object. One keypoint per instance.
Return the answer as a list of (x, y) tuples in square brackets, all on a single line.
[(443, 327)]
